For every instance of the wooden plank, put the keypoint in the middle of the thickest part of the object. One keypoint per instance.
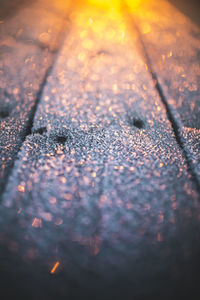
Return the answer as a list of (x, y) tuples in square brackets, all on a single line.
[(189, 8), (25, 57), (100, 193), (172, 44), (8, 6), (35, 24), (20, 80)]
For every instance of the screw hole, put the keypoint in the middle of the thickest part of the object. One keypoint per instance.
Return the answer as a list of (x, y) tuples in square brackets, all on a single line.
[(4, 114), (61, 139), (41, 130), (103, 52), (138, 123)]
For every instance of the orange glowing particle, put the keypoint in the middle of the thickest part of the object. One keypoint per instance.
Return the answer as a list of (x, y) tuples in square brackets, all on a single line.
[(46, 98), (94, 174), (21, 188), (59, 221), (16, 91), (37, 223), (159, 237), (63, 180), (53, 91), (59, 152), (115, 87), (68, 197), (55, 267), (44, 38), (129, 205), (162, 187), (53, 200)]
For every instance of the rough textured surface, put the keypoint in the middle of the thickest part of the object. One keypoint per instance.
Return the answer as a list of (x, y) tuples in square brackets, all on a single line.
[(100, 201), (172, 43), (23, 67), (192, 138), (17, 98)]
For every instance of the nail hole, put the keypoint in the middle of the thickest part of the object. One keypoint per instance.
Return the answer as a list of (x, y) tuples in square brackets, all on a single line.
[(4, 114), (61, 139), (103, 52), (40, 130), (138, 123)]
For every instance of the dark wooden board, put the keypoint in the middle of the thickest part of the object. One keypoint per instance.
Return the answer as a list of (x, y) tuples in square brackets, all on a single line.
[(101, 188), (172, 45), (27, 40)]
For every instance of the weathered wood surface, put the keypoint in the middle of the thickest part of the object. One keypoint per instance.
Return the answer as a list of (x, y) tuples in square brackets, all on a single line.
[(189, 8), (172, 44), (101, 186), (9, 7), (28, 40)]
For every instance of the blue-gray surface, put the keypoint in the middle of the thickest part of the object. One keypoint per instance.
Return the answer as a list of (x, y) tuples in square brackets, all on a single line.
[(101, 200), (172, 45), (26, 53)]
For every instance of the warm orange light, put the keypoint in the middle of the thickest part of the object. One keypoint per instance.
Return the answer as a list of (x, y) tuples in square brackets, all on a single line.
[(21, 188), (105, 3), (115, 3), (37, 223), (55, 267), (133, 4)]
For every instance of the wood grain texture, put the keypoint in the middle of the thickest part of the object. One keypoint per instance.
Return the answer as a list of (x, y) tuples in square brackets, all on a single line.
[(172, 44), (27, 40), (100, 195)]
